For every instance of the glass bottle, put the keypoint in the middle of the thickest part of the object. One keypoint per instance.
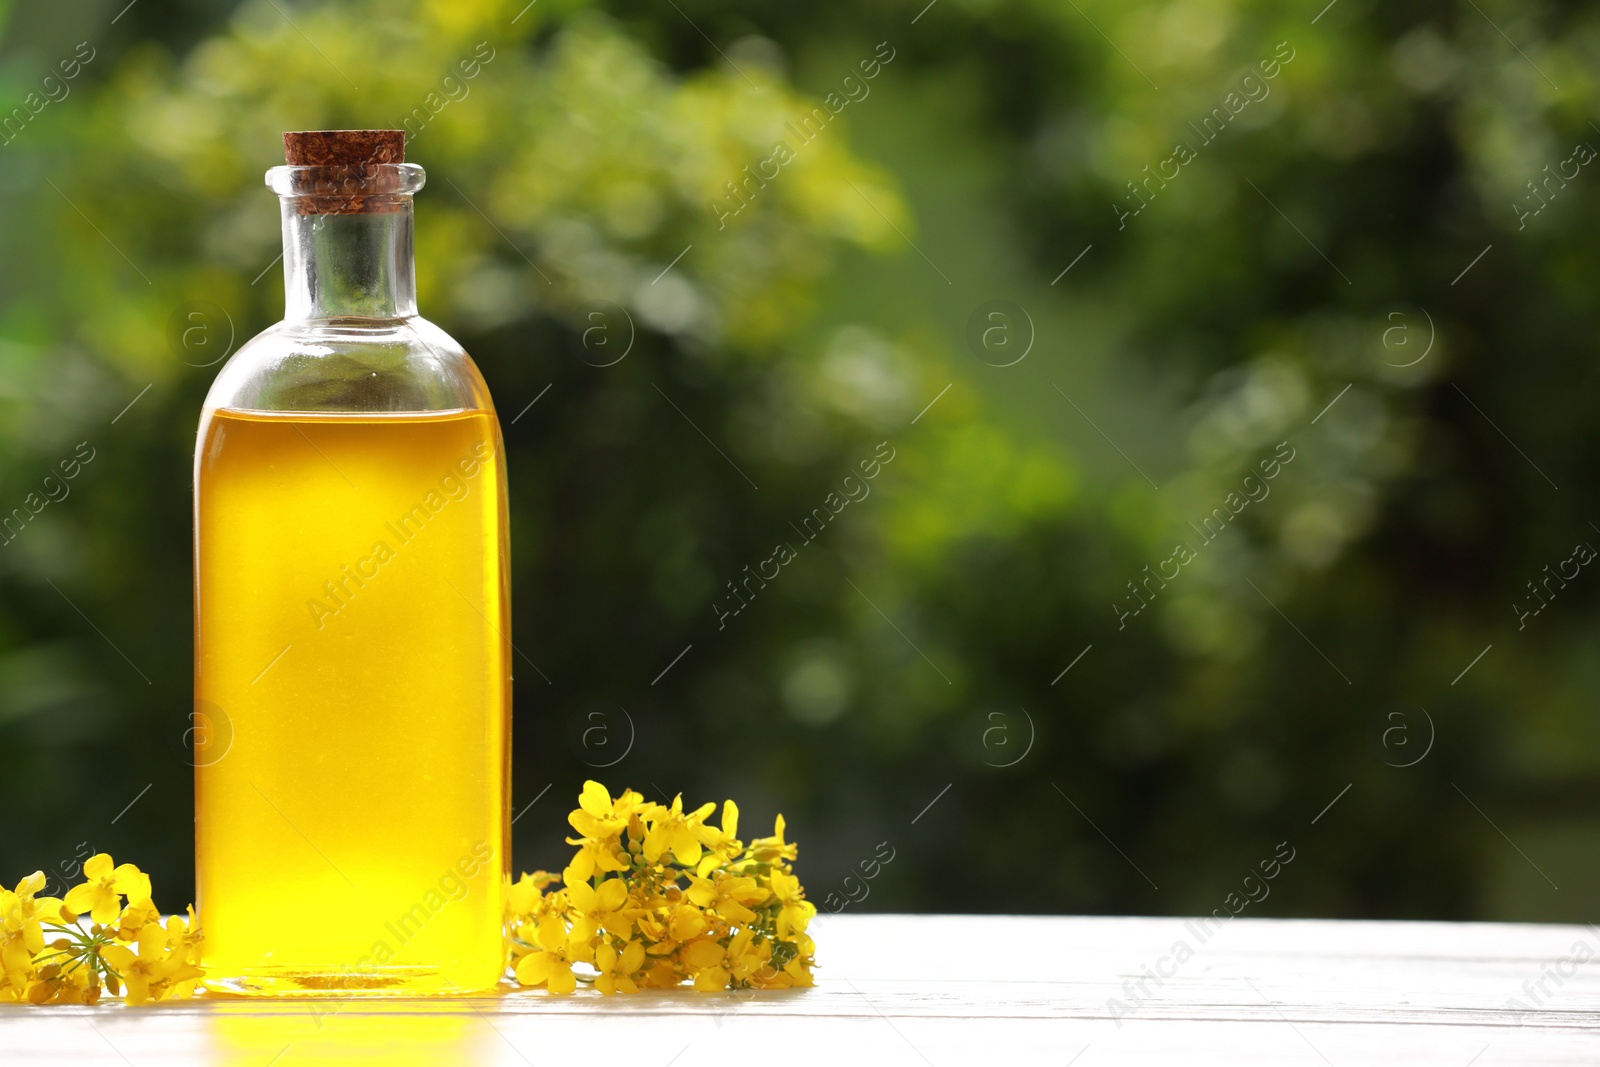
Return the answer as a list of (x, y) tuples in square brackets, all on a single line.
[(351, 617)]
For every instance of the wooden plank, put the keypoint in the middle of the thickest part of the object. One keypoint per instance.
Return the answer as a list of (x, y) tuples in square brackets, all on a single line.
[(956, 990)]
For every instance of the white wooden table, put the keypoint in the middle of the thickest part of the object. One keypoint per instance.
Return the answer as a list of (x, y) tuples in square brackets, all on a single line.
[(957, 990)]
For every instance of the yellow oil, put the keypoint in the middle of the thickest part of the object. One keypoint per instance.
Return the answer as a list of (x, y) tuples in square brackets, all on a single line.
[(352, 702)]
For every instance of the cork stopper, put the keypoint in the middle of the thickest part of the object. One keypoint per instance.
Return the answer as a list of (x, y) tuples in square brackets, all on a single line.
[(352, 172), (343, 148)]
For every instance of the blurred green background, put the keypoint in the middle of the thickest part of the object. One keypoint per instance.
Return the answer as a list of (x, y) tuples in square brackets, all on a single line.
[(1358, 230)]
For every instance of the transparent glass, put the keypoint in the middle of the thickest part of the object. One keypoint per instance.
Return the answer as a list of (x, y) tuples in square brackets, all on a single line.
[(352, 682)]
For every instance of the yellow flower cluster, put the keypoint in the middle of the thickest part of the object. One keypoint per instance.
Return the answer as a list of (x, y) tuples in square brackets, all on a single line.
[(125, 947), (655, 897)]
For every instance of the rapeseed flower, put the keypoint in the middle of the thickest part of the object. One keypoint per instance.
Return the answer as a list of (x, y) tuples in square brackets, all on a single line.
[(48, 955), (655, 896)]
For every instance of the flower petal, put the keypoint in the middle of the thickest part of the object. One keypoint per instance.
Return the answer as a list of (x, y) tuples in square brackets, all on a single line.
[(119, 958), (711, 980), (535, 968), (14, 956), (595, 800), (106, 906), (613, 894), (80, 898), (703, 954), (562, 980), (632, 958), (582, 896), (152, 942), (552, 933), (687, 849), (131, 880)]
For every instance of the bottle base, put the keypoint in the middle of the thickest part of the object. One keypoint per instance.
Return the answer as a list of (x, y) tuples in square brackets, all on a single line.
[(396, 982)]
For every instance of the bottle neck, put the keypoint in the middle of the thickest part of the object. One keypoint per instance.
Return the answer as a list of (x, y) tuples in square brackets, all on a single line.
[(348, 265)]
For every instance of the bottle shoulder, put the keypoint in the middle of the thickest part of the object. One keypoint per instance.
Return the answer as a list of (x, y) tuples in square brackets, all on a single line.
[(350, 365)]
